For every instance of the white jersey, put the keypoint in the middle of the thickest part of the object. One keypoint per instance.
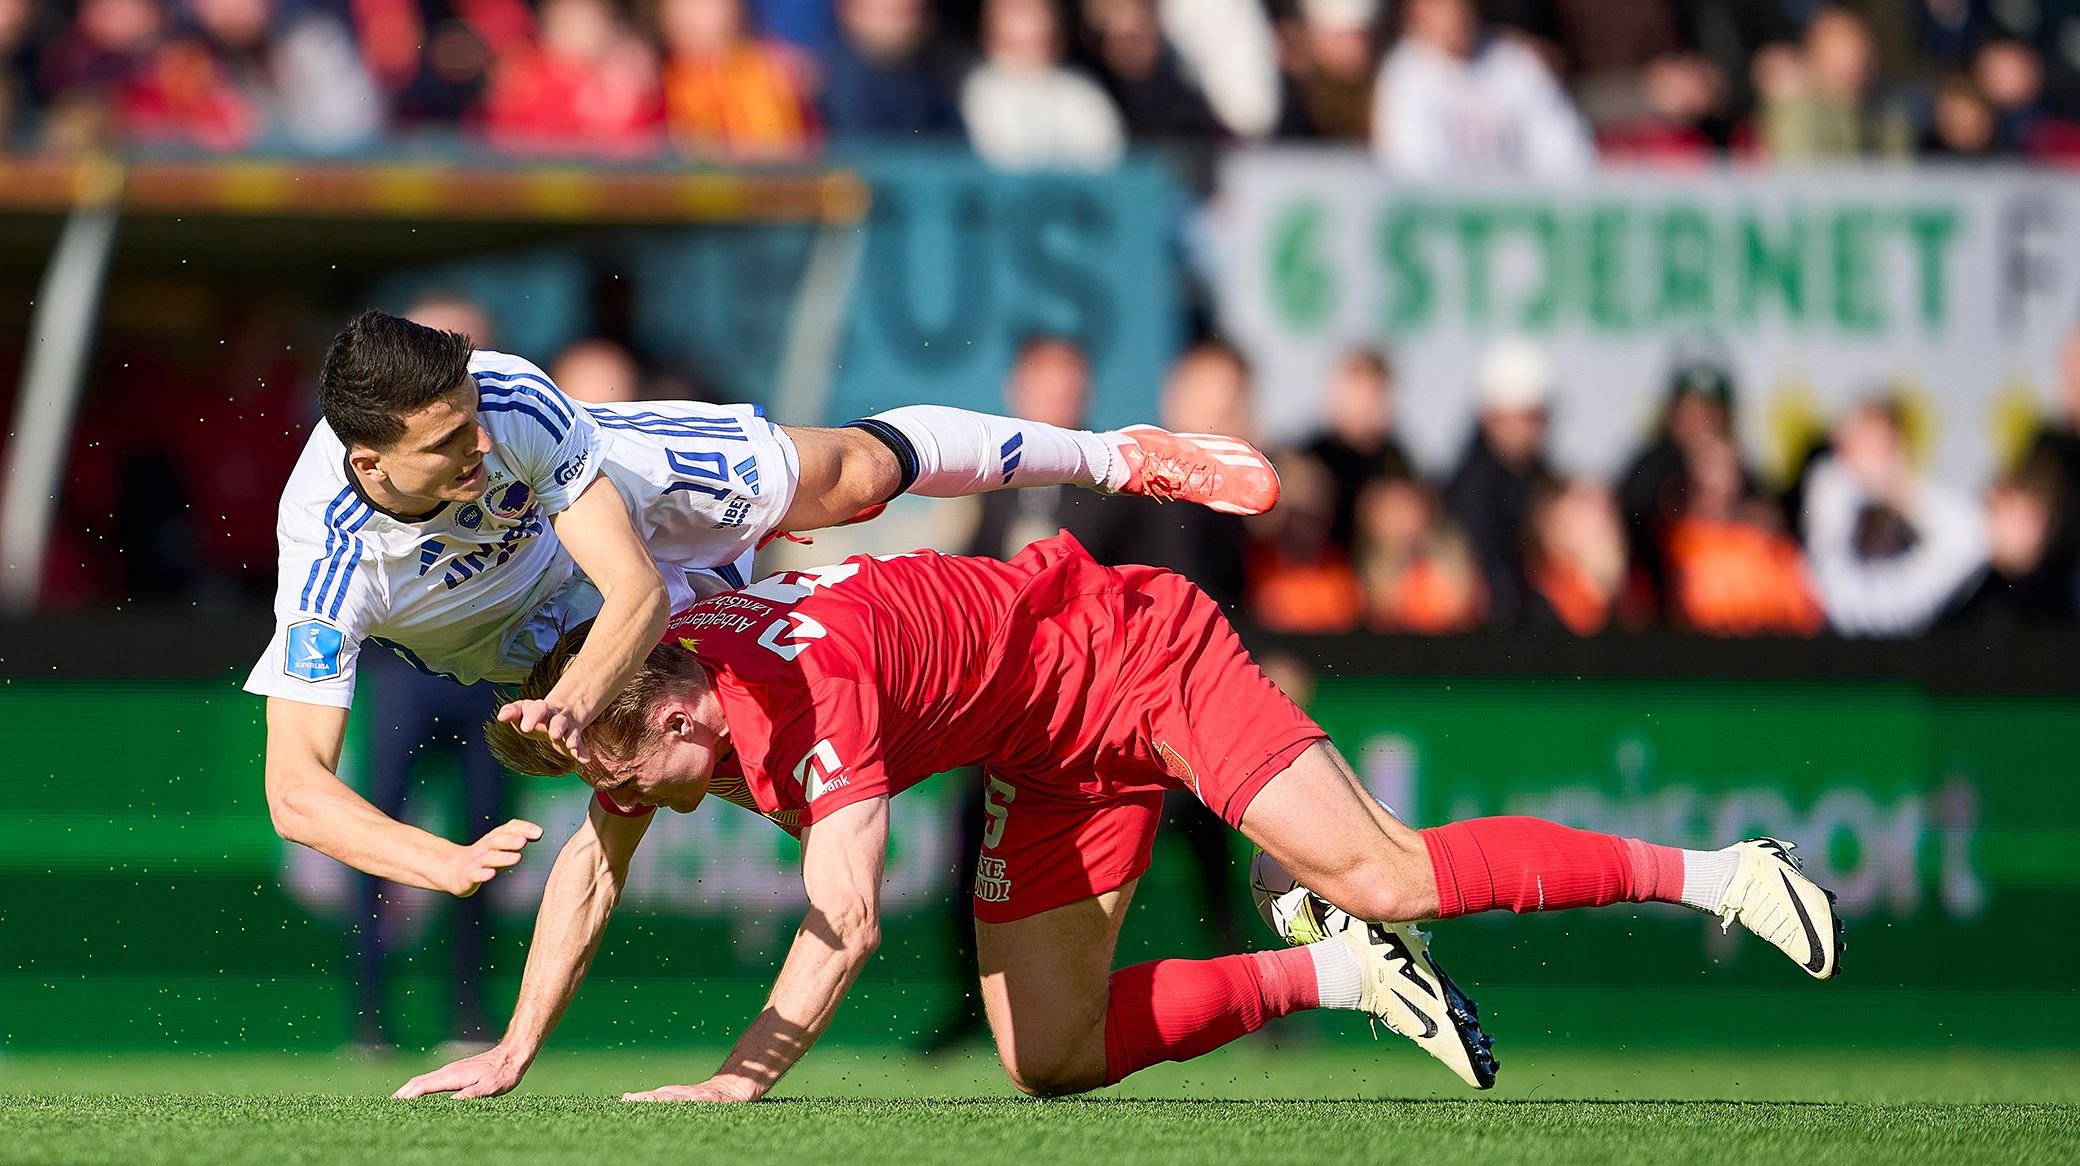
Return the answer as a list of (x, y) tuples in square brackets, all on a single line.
[(481, 590)]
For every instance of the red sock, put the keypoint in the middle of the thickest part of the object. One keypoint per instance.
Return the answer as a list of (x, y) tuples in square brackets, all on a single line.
[(1174, 1010), (1529, 864)]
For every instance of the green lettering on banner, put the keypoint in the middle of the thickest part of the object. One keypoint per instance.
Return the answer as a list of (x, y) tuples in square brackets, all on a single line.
[(1604, 241), (1930, 230), (1476, 226), (1771, 267), (1303, 284), (1857, 306), (1410, 287), (1683, 239), (1542, 303)]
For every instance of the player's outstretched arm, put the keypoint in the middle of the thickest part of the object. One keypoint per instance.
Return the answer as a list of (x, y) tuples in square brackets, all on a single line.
[(633, 611), (583, 887), (842, 860), (312, 806)]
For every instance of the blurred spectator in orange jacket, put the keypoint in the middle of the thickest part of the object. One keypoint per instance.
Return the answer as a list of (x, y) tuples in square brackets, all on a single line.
[(1299, 579), (1578, 576), (1418, 570), (587, 85), (729, 93), (1731, 569), (1653, 492), (1357, 443)]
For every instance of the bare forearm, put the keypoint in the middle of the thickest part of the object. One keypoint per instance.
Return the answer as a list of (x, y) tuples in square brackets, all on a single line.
[(812, 982), (581, 893), (631, 618), (315, 808)]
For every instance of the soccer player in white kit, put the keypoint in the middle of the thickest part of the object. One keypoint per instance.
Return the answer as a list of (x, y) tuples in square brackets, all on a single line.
[(455, 507)]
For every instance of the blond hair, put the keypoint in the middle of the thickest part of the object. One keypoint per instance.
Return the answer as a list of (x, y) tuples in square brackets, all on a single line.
[(622, 727)]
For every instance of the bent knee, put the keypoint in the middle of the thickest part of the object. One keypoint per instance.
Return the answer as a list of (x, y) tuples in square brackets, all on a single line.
[(1051, 1080), (1385, 893)]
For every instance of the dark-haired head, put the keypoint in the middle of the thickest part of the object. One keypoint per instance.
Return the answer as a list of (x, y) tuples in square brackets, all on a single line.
[(379, 369)]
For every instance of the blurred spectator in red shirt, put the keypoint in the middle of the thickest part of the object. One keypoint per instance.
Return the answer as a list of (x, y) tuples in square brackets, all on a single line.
[(1577, 574), (588, 85), (887, 75), (1357, 443), (1299, 580), (1637, 78), (95, 65), (238, 73), (1455, 100), (1023, 107), (1505, 458), (1730, 568), (728, 93), (1332, 58), (1418, 571)]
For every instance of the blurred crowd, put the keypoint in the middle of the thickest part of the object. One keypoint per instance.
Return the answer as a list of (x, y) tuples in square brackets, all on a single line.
[(1434, 87), (170, 504), (1687, 537)]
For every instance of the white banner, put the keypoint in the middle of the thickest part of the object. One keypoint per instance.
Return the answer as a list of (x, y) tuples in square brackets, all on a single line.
[(1953, 286)]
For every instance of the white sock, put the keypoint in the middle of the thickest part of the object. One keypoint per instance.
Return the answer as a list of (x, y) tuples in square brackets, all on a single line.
[(1339, 976), (1706, 875), (960, 453)]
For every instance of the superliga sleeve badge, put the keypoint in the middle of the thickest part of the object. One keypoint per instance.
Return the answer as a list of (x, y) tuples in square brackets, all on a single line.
[(313, 651)]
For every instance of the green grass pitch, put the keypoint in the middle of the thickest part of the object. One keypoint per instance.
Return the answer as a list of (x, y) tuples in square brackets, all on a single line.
[(1344, 1102)]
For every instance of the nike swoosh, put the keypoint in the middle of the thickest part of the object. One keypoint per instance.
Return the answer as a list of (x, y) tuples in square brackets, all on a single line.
[(1817, 962), (1429, 1025)]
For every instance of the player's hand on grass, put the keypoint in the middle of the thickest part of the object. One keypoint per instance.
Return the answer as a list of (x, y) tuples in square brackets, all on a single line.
[(480, 861), (713, 1089), (492, 1072), (539, 718)]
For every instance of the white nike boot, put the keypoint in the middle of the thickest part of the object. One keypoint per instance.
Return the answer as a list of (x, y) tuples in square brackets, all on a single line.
[(1405, 987), (1771, 896)]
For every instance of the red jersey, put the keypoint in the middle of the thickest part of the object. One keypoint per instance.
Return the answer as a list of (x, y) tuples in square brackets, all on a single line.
[(1085, 691), (862, 679)]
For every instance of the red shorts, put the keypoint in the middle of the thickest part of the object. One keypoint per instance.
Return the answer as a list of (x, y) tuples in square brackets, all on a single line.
[(1193, 712)]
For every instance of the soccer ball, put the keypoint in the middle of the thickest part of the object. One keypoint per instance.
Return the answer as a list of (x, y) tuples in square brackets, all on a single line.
[(1294, 913)]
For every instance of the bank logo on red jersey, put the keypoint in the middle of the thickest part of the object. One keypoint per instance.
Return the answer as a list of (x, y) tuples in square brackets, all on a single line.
[(820, 772)]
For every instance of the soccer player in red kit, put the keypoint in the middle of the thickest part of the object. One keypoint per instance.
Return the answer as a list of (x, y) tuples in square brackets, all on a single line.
[(1084, 692)]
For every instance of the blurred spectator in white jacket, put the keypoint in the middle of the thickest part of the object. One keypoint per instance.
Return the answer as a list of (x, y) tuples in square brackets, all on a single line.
[(1024, 109), (1455, 99), (1889, 548)]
